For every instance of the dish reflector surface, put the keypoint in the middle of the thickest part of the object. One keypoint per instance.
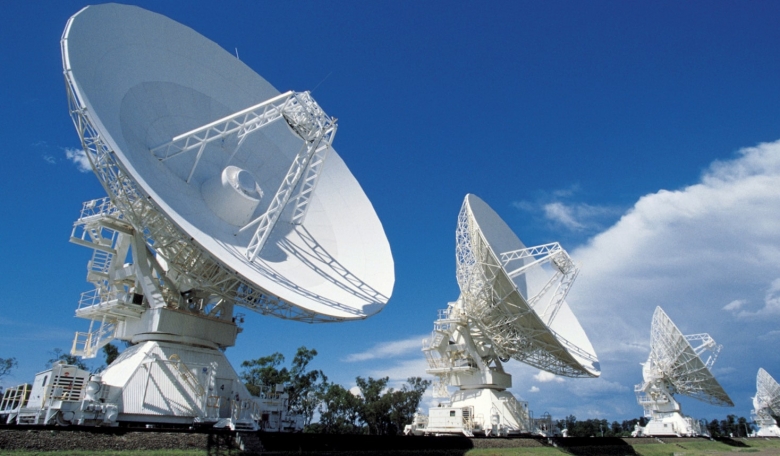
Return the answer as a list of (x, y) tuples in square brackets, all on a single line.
[(498, 303), (673, 354), (140, 79), (767, 393)]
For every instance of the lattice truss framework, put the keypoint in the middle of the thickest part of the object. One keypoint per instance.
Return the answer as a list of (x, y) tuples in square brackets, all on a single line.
[(180, 253), (498, 310), (124, 272), (766, 403), (675, 365), (305, 118)]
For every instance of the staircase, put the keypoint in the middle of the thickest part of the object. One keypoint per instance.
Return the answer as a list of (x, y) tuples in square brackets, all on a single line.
[(517, 414), (87, 344), (101, 228)]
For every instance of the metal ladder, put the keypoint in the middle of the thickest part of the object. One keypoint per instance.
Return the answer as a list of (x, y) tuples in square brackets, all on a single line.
[(186, 374)]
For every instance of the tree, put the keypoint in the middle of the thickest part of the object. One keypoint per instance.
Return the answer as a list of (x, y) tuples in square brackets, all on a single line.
[(728, 426), (73, 360), (339, 411), (714, 428), (375, 409), (403, 403), (587, 428), (301, 385), (628, 426), (304, 385), (262, 372), (387, 411), (6, 364), (742, 427), (569, 424), (111, 352)]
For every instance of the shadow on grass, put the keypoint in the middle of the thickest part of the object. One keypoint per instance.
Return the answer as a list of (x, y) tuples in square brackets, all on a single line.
[(731, 442), (363, 444), (594, 446)]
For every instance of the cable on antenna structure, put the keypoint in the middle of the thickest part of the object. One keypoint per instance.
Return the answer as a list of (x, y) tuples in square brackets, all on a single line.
[(320, 83)]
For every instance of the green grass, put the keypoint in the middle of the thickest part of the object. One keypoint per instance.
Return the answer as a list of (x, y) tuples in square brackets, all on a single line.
[(703, 447), (762, 443)]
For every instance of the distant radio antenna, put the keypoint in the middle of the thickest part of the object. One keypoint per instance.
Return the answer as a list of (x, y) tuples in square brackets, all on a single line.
[(512, 306), (676, 366), (766, 405)]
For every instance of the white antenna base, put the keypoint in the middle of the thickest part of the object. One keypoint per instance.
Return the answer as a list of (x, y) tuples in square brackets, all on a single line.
[(673, 424)]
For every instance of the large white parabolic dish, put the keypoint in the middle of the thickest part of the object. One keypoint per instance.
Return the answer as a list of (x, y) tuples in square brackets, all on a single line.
[(138, 79), (499, 305), (671, 352)]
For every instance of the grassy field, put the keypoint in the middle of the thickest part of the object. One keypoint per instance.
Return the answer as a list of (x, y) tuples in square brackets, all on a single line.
[(706, 447)]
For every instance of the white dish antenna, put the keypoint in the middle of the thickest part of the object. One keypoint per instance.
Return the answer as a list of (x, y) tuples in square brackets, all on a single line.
[(516, 295), (223, 192), (234, 185), (512, 306), (677, 364), (682, 364), (767, 393), (766, 404)]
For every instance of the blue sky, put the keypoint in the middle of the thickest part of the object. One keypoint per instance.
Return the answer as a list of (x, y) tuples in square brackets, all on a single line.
[(642, 136)]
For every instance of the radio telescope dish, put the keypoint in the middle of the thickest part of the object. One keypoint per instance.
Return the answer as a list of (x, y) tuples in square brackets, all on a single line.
[(512, 306), (766, 405), (196, 149), (223, 192), (676, 366), (513, 301)]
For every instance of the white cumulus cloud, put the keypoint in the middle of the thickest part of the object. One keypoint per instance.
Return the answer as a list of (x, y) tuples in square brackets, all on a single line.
[(771, 335), (771, 303), (734, 305), (391, 349), (560, 213), (705, 253), (557, 210), (79, 157), (401, 370), (544, 376)]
